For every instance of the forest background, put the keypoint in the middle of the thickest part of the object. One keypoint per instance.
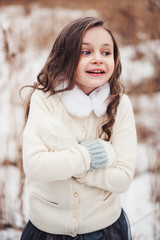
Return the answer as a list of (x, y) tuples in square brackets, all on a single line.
[(27, 31)]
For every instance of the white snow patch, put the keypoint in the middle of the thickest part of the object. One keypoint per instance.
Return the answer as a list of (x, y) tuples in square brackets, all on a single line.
[(10, 234), (136, 71), (139, 207)]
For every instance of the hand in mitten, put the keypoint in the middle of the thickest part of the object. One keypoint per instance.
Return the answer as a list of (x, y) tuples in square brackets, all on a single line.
[(54, 134), (102, 153)]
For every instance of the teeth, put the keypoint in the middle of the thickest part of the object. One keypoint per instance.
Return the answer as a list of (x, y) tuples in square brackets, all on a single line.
[(96, 71)]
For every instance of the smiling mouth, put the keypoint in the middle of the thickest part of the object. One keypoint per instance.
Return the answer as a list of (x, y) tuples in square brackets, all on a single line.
[(96, 71)]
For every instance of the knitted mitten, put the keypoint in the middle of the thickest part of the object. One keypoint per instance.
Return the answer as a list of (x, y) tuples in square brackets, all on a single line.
[(54, 134), (97, 152)]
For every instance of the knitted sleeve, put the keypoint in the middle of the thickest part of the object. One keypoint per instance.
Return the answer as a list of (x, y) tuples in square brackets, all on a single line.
[(42, 158), (118, 177)]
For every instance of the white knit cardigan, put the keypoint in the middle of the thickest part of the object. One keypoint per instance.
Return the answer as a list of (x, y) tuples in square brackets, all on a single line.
[(65, 196)]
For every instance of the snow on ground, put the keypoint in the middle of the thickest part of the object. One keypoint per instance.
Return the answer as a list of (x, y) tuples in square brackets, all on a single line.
[(24, 64), (139, 207), (10, 185), (10, 234), (137, 201)]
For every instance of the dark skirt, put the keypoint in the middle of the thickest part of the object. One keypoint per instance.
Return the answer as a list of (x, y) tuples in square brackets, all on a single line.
[(120, 230)]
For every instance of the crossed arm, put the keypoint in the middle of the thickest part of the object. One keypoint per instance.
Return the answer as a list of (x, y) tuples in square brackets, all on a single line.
[(43, 161)]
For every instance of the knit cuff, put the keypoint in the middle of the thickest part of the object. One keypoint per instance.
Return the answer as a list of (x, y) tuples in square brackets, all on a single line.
[(97, 152), (111, 155)]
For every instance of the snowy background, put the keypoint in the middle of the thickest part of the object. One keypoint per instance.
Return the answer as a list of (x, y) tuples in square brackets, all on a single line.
[(26, 36)]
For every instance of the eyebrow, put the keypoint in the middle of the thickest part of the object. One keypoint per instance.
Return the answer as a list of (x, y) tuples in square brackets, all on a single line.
[(104, 44)]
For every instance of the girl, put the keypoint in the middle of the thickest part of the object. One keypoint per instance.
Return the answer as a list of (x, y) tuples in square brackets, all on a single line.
[(79, 143)]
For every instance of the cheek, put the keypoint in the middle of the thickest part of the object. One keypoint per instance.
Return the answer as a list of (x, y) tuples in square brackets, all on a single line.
[(79, 67), (78, 73), (81, 64), (111, 66)]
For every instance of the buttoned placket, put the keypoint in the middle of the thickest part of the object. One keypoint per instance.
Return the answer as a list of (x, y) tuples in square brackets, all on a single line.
[(75, 207), (76, 187), (84, 128), (75, 215)]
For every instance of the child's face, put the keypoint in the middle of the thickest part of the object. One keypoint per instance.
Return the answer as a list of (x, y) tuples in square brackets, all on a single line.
[(96, 63)]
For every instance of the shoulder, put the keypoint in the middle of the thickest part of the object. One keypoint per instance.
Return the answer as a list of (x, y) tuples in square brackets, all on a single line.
[(124, 109), (124, 101), (39, 94), (124, 104), (40, 97), (125, 119), (41, 102)]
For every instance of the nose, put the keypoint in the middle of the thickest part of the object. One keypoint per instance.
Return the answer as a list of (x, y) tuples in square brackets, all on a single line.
[(97, 59)]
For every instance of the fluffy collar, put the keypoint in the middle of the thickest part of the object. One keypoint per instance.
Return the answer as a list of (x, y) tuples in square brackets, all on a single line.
[(78, 104)]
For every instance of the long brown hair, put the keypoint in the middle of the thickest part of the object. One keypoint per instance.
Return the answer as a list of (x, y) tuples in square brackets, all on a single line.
[(62, 63)]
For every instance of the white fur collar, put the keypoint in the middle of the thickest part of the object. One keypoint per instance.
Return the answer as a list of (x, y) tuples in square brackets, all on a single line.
[(78, 104)]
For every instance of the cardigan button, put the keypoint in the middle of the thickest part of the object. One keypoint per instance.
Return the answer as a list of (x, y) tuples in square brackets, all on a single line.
[(76, 194), (73, 234), (83, 129), (75, 215)]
